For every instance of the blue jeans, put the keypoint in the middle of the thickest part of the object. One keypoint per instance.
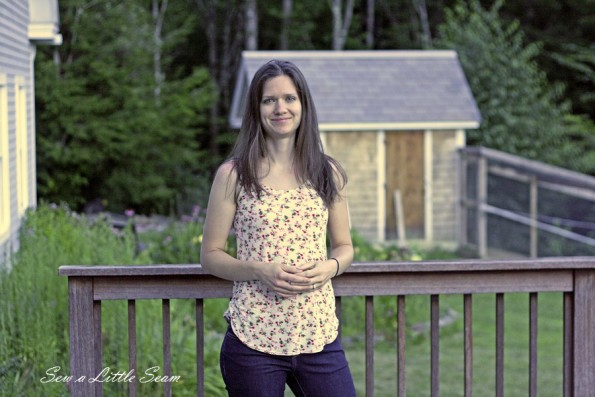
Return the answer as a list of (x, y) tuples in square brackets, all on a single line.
[(250, 373)]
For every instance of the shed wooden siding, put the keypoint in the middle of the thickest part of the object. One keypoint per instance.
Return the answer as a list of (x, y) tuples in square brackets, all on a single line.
[(444, 199), (404, 172), (357, 152), (16, 67)]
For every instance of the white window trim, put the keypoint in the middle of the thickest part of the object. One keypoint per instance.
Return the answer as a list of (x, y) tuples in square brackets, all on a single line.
[(22, 144)]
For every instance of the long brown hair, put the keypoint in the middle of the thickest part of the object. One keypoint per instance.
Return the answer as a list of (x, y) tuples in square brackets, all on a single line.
[(312, 166)]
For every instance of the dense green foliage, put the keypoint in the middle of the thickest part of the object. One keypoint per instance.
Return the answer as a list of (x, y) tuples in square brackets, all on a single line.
[(566, 30), (33, 299), (521, 112), (34, 307), (34, 322), (106, 128), (132, 108)]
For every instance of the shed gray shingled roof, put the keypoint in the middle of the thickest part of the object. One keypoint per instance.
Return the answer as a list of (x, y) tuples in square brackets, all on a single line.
[(375, 89)]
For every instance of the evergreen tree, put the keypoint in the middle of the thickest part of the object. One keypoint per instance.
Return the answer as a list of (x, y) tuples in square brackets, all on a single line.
[(566, 29), (133, 106), (101, 131), (522, 113)]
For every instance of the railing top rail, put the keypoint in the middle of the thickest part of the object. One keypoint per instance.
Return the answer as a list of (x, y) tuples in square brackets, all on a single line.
[(543, 170), (434, 266)]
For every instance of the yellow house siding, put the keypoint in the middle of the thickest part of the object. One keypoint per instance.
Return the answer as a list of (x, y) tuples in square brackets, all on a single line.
[(357, 153), (4, 161), (17, 126)]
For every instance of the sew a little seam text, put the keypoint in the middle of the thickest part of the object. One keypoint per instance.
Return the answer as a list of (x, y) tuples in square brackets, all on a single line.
[(107, 375)]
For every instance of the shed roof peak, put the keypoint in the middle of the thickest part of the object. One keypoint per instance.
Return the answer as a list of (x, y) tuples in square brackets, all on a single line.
[(368, 54)]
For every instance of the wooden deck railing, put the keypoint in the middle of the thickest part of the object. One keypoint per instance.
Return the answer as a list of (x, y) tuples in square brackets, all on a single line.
[(540, 179), (574, 277)]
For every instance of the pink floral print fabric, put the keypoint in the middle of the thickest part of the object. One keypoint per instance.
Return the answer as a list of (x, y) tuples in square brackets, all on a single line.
[(286, 226)]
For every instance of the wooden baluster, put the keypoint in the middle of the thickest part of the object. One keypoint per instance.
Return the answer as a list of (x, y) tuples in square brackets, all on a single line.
[(568, 343), (468, 331), (499, 345), (339, 308), (369, 346), (401, 340), (533, 344), (435, 344), (132, 347), (200, 348), (339, 313), (98, 344), (166, 347)]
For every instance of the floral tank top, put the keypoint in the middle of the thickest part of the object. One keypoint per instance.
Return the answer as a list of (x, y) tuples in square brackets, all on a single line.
[(284, 226)]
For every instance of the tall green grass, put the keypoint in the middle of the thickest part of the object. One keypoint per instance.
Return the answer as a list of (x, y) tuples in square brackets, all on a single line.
[(34, 317), (34, 305), (33, 299)]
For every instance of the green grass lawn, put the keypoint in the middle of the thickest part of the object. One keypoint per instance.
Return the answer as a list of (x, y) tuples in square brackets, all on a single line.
[(516, 356)]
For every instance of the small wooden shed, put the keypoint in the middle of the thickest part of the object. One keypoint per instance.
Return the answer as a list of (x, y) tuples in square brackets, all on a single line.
[(394, 120)]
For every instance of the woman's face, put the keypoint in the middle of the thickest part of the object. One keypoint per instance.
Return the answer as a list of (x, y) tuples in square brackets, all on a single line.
[(280, 107)]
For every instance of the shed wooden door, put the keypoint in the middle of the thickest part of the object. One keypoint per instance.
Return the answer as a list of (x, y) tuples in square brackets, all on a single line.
[(405, 172)]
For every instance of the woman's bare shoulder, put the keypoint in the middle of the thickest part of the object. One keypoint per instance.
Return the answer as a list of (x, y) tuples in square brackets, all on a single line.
[(226, 177), (227, 168)]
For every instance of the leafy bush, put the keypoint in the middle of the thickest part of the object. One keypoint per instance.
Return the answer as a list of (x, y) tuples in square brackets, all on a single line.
[(385, 307), (34, 300), (34, 303)]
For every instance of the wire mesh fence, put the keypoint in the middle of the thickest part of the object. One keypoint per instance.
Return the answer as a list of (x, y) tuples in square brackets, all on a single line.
[(524, 207)]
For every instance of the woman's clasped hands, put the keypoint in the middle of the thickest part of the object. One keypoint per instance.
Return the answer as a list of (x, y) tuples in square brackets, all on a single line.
[(288, 281)]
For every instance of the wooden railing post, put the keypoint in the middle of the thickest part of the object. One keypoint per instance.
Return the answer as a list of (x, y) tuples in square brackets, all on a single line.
[(534, 211), (82, 337), (462, 200), (482, 200), (584, 336)]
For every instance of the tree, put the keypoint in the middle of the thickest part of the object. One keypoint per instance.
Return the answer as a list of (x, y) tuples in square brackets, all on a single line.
[(522, 113), (285, 23), (222, 22), (101, 134), (295, 25), (341, 22), (404, 24), (158, 13), (251, 25), (422, 12), (130, 106), (566, 30), (370, 23)]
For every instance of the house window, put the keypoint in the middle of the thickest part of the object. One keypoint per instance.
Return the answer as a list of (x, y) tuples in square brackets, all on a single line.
[(4, 160), (22, 145)]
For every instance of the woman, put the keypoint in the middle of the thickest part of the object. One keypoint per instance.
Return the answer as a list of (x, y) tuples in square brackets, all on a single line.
[(280, 192)]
